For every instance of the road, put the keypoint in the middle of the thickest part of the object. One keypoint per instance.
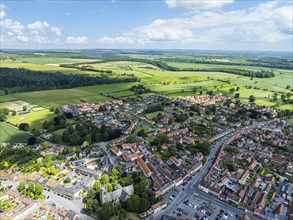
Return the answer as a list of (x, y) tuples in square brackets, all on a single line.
[(192, 186)]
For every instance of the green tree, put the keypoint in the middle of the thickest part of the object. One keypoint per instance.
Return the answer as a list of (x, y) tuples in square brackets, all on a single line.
[(39, 189), (251, 98), (31, 187), (104, 178), (31, 140), (237, 95), (106, 211), (131, 138), (21, 187)]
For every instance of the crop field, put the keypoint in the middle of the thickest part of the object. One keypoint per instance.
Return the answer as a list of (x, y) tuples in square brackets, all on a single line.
[(173, 83), (211, 66), (8, 133), (14, 105), (59, 97), (35, 119), (39, 64)]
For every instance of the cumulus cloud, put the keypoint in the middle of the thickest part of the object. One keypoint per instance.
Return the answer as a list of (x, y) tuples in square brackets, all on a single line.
[(56, 30), (22, 38), (76, 40), (265, 23), (39, 26), (14, 26), (37, 32), (197, 4)]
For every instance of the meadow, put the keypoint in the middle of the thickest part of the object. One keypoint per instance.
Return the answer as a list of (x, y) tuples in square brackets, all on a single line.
[(8, 133), (56, 98), (173, 83), (35, 119)]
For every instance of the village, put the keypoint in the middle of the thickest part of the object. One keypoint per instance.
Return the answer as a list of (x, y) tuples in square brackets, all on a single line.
[(170, 142)]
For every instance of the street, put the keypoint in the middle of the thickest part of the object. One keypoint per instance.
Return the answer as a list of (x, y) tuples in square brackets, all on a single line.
[(192, 186)]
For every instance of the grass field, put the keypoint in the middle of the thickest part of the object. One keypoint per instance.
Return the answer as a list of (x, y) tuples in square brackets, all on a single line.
[(59, 97), (10, 134), (35, 119), (14, 105), (175, 84)]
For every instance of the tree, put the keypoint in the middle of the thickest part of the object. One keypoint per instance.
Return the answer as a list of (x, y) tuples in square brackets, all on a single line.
[(67, 180), (251, 98), (46, 124), (21, 187), (237, 95), (140, 188), (24, 108), (31, 187), (141, 133), (23, 126), (133, 203), (31, 140), (144, 205), (231, 167), (106, 211), (66, 136), (39, 189), (45, 144), (131, 138), (104, 179), (232, 90), (92, 205), (75, 138)]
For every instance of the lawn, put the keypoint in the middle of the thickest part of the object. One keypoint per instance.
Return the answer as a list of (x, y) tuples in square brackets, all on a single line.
[(34, 119), (154, 114), (10, 134)]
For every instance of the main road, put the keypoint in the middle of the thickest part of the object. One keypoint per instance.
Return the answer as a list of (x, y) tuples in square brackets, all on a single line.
[(192, 186)]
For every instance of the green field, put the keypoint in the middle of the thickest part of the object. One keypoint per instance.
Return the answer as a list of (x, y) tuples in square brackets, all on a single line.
[(173, 83), (59, 97), (10, 134), (34, 119)]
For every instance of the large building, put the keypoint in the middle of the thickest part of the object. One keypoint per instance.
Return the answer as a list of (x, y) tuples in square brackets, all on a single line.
[(120, 194)]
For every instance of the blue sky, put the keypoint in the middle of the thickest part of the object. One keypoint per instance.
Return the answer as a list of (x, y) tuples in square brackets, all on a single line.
[(166, 24)]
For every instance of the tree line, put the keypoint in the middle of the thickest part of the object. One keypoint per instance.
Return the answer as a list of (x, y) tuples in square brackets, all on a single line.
[(23, 80)]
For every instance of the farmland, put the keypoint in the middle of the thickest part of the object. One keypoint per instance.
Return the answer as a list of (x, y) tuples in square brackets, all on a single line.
[(8, 133), (158, 80)]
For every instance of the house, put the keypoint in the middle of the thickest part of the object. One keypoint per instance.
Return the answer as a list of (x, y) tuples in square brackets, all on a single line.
[(70, 156), (120, 194), (116, 151), (158, 207), (287, 190), (243, 177), (147, 172), (89, 172)]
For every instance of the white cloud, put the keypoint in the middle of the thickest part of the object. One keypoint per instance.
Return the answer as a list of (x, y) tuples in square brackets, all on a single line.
[(14, 26), (197, 4), (76, 40), (2, 14), (56, 30), (22, 38), (67, 13), (37, 32), (268, 22), (39, 26)]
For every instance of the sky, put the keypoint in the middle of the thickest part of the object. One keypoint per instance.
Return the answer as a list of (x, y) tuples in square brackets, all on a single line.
[(154, 24)]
